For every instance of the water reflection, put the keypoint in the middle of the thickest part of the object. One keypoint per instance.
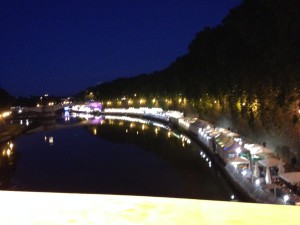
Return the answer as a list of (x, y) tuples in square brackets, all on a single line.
[(7, 163), (49, 140), (113, 155), (157, 138)]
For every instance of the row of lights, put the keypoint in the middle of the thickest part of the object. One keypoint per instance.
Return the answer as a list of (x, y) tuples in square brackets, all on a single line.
[(143, 101), (49, 104)]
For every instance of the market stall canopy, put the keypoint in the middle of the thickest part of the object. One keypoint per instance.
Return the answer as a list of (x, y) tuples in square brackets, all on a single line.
[(209, 130), (200, 123), (233, 147), (227, 143), (257, 149), (235, 136), (238, 160), (291, 177), (214, 133), (269, 162), (223, 140)]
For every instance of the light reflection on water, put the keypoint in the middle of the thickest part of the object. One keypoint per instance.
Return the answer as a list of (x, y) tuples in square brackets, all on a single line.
[(115, 155)]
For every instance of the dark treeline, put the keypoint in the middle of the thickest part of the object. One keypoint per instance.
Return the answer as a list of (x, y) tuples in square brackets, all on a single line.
[(6, 99), (257, 45), (246, 69), (255, 48)]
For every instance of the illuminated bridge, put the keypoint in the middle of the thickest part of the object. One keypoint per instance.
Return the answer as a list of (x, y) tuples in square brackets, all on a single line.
[(44, 109)]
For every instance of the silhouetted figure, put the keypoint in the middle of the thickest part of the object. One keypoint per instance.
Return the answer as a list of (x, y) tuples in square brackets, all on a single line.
[(264, 144), (293, 160)]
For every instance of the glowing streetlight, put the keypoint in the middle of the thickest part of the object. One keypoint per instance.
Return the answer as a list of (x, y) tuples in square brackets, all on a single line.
[(142, 101)]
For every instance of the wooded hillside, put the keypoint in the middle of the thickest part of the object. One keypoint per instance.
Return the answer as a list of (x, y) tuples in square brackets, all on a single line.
[(244, 74)]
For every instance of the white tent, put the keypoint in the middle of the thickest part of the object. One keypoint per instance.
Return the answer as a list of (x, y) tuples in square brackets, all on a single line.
[(238, 160), (257, 149), (214, 133), (291, 177), (269, 162)]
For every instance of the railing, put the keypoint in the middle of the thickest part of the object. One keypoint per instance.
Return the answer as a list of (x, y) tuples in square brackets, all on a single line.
[(57, 208)]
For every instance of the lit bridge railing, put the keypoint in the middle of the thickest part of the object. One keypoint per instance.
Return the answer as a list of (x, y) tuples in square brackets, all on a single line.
[(56, 208)]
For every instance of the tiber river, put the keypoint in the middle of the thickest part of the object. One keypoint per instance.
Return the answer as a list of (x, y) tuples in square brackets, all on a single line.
[(112, 156)]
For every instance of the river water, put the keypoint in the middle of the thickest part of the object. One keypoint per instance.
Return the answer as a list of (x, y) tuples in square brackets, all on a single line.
[(111, 155)]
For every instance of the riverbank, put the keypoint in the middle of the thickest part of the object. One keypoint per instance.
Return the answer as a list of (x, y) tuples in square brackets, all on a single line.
[(245, 163), (220, 144), (9, 131)]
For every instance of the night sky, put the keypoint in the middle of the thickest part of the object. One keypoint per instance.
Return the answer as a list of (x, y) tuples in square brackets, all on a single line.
[(60, 47)]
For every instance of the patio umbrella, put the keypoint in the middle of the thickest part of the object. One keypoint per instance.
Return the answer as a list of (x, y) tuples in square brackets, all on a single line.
[(257, 149), (269, 162), (268, 176)]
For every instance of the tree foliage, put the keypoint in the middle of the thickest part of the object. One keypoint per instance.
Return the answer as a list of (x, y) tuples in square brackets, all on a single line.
[(6, 99), (248, 65)]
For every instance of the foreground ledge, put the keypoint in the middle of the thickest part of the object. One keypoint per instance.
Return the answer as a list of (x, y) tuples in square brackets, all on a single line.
[(57, 208)]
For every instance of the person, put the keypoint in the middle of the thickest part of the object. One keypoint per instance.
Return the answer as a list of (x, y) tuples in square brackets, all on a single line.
[(293, 160)]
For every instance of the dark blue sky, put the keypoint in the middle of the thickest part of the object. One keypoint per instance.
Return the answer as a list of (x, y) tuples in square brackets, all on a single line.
[(60, 47)]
